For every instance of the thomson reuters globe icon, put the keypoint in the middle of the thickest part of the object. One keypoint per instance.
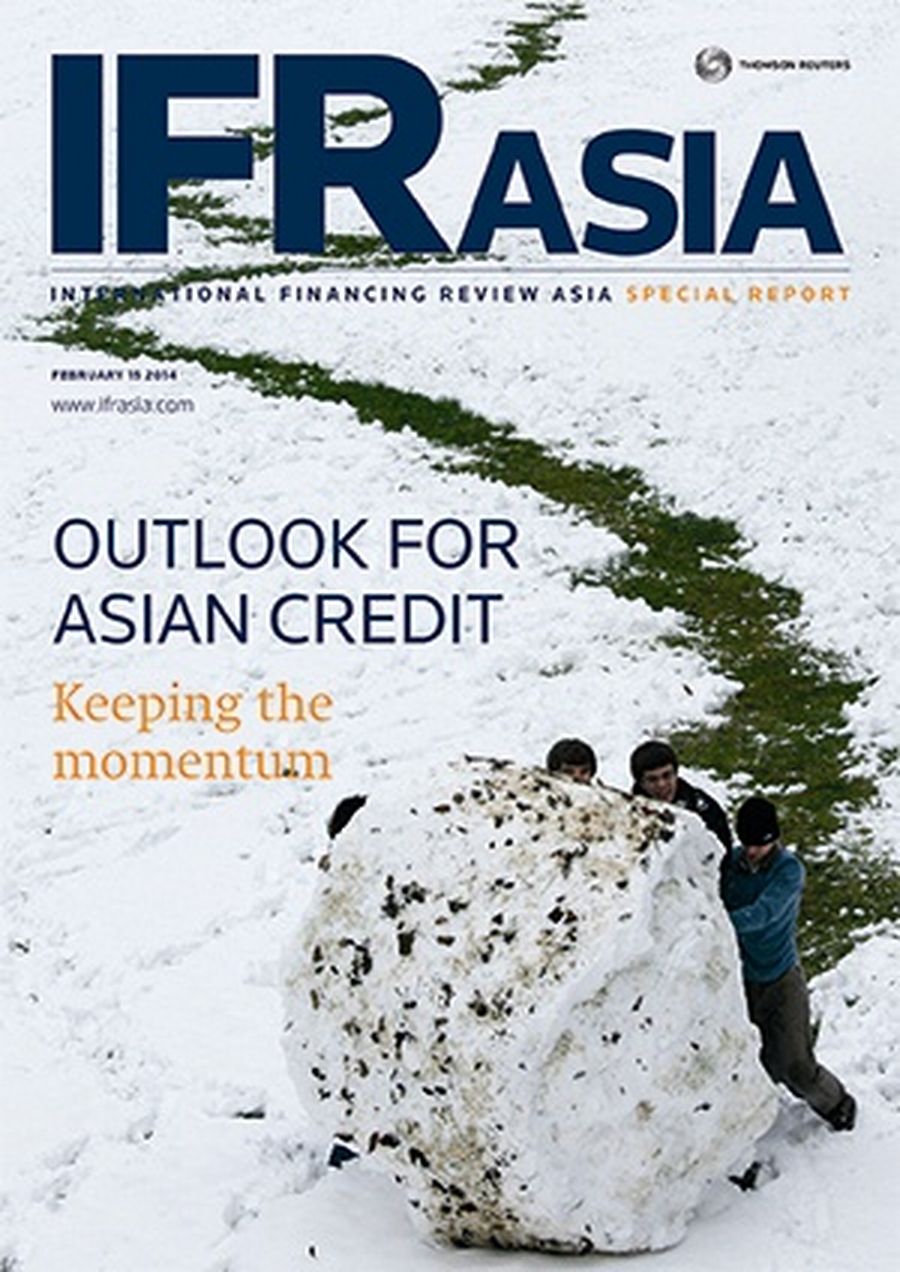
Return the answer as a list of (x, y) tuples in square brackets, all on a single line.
[(713, 64)]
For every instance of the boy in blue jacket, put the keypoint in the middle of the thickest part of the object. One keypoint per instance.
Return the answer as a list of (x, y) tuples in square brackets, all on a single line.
[(761, 887)]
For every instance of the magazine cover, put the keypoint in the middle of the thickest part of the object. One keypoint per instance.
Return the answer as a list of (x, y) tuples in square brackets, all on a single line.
[(450, 619)]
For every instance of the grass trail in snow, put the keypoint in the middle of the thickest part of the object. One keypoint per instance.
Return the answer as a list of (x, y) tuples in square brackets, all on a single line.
[(526, 43), (785, 726)]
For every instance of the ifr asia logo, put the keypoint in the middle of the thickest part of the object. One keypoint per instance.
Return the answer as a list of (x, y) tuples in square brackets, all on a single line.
[(713, 64)]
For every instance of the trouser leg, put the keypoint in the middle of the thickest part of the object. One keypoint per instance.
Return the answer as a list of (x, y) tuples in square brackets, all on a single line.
[(781, 1013)]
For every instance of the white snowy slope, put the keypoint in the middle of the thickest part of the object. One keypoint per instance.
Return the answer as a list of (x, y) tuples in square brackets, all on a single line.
[(148, 1120)]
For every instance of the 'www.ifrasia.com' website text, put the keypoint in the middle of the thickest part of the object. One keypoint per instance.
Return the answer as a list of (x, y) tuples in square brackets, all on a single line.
[(115, 404)]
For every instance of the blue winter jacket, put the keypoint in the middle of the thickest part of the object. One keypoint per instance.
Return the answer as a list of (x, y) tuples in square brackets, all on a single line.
[(763, 907)]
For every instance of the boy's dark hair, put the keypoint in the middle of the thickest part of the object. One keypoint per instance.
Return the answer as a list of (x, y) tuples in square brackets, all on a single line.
[(651, 755), (571, 751)]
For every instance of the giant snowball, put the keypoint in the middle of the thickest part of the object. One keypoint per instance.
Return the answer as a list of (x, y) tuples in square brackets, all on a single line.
[(520, 997)]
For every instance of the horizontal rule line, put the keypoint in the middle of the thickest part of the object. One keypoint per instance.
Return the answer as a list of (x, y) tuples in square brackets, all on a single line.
[(435, 270)]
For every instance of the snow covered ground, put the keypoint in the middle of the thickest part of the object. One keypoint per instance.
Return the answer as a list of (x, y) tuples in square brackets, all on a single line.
[(149, 1125)]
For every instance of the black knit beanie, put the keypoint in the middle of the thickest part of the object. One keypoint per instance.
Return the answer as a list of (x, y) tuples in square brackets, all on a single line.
[(757, 822)]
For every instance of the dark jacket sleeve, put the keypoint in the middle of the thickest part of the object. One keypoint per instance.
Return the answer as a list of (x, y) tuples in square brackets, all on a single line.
[(717, 822), (713, 817)]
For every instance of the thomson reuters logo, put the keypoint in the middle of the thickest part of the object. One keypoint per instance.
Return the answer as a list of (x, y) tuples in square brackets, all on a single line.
[(713, 64)]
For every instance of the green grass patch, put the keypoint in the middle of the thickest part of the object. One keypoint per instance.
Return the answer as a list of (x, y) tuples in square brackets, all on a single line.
[(357, 115), (525, 45), (785, 725), (211, 212)]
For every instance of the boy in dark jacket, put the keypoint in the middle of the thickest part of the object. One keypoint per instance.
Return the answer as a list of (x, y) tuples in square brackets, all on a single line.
[(761, 887), (654, 767)]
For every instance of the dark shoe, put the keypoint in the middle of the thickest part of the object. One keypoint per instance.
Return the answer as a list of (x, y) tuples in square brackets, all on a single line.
[(747, 1181), (843, 1116)]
